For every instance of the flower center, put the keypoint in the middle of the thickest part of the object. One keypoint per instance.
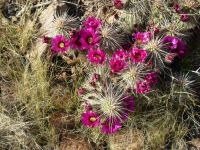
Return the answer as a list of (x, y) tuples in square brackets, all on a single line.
[(137, 56), (97, 56), (61, 45), (93, 119), (90, 40), (139, 41)]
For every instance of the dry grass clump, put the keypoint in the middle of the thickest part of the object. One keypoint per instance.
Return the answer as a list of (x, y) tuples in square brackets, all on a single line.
[(29, 111), (24, 124), (33, 93), (17, 37), (164, 131), (14, 133), (134, 15)]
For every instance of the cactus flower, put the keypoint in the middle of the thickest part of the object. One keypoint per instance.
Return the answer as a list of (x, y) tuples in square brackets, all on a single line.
[(90, 118), (96, 56), (138, 55), (60, 44), (110, 126)]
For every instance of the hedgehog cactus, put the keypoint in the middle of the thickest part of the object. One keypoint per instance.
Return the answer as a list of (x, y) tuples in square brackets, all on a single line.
[(62, 24), (183, 88), (106, 103), (134, 14), (110, 39)]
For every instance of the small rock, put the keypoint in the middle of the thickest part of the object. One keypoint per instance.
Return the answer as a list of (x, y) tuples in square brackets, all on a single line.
[(192, 148), (195, 144), (61, 97), (74, 142), (127, 139), (62, 121)]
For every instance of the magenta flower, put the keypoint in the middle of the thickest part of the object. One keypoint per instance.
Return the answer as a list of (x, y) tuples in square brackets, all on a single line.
[(142, 87), (128, 90), (95, 77), (81, 91), (46, 39), (118, 4), (156, 30), (60, 44), (152, 78), (170, 57), (120, 54), (92, 22), (96, 56), (117, 65), (138, 55), (141, 37), (124, 116), (175, 45), (75, 41), (92, 83), (184, 17), (110, 126), (87, 106), (52, 52), (128, 104), (90, 118), (177, 8), (183, 50), (89, 38), (171, 42)]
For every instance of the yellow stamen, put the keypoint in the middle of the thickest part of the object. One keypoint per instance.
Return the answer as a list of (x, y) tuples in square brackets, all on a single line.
[(62, 45), (93, 119)]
